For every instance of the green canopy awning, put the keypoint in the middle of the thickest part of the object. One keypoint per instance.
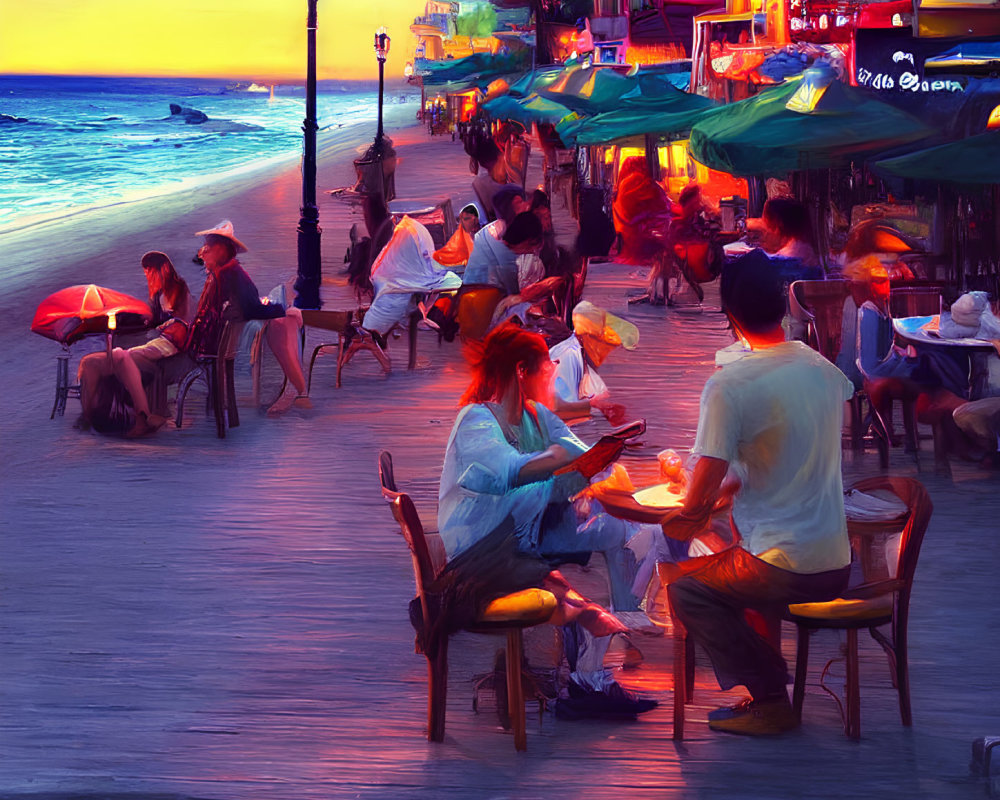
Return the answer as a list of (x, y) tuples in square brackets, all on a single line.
[(975, 160), (526, 110), (588, 90), (478, 66), (824, 128), (540, 77), (671, 111)]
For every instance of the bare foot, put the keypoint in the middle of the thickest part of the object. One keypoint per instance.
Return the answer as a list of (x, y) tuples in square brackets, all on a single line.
[(281, 405), (145, 424)]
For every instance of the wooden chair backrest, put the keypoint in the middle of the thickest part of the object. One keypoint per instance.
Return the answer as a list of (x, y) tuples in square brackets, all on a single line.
[(517, 154), (229, 339), (386, 475), (824, 301), (797, 305), (336, 321), (915, 301), (913, 494), (423, 571), (475, 306)]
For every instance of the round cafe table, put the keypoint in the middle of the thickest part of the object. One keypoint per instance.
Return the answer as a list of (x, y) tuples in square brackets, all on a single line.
[(648, 505), (923, 332)]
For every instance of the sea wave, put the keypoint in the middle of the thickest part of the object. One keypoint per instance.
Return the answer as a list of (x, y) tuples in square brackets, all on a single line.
[(96, 143)]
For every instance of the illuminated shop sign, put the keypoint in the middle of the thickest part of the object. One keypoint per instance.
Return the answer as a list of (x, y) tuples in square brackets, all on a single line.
[(891, 62), (906, 81)]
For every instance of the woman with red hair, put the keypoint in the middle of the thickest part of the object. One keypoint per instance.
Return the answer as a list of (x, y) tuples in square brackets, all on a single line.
[(504, 515)]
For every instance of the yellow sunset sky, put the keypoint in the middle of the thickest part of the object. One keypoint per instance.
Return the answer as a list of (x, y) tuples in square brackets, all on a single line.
[(262, 40)]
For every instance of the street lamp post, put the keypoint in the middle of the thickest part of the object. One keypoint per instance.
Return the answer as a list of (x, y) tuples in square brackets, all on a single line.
[(382, 42), (310, 267)]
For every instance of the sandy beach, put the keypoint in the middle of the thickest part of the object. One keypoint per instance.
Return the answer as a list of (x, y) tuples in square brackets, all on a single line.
[(184, 616)]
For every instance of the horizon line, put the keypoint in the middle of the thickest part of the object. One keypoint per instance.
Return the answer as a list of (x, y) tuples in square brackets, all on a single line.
[(258, 80)]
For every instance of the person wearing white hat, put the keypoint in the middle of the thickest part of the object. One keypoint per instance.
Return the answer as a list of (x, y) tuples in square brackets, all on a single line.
[(228, 282), (578, 386)]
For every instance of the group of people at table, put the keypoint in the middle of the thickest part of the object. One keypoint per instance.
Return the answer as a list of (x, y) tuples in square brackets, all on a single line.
[(112, 386), (514, 501), (768, 435)]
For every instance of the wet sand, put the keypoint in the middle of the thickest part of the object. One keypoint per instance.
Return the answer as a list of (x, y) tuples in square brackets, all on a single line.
[(188, 617)]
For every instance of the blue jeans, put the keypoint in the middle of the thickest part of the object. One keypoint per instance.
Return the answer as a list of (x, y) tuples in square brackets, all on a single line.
[(601, 533)]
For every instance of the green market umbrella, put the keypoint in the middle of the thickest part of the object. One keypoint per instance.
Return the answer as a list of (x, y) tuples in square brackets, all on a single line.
[(526, 110), (808, 122), (529, 82), (588, 90), (477, 67), (672, 111), (595, 90), (975, 160)]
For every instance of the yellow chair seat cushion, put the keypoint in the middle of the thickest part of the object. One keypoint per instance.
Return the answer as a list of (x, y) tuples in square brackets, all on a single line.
[(843, 609), (528, 605)]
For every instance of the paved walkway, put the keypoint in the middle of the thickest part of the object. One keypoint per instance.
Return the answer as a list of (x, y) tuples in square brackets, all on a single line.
[(189, 617)]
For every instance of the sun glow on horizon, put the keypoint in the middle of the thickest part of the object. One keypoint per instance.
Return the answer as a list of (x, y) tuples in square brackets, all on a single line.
[(247, 40)]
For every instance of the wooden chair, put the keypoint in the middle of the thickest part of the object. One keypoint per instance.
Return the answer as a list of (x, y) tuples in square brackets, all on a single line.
[(438, 218), (819, 307), (908, 402), (349, 340), (820, 304), (879, 600), (217, 373), (683, 667), (507, 615), (916, 300), (517, 154)]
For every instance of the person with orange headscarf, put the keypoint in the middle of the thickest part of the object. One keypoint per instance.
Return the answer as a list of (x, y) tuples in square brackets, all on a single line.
[(456, 251)]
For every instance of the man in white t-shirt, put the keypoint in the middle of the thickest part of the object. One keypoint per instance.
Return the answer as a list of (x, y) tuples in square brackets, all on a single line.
[(769, 434)]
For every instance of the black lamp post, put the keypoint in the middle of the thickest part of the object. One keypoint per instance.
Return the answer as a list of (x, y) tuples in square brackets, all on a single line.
[(310, 268), (382, 42)]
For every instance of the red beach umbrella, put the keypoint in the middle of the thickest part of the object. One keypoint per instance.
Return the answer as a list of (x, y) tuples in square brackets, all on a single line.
[(76, 311)]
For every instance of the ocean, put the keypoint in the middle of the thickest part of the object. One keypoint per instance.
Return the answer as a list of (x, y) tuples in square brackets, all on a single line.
[(74, 143)]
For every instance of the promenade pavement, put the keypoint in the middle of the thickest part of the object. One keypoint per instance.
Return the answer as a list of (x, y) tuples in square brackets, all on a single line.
[(188, 617)]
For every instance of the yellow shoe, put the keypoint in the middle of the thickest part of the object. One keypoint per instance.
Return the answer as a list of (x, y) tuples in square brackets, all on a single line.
[(763, 718)]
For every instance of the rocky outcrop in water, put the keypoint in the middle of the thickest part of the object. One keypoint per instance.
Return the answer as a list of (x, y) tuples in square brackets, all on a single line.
[(7, 119), (191, 116)]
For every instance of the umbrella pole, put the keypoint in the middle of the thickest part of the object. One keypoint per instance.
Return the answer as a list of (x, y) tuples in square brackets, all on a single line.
[(112, 324)]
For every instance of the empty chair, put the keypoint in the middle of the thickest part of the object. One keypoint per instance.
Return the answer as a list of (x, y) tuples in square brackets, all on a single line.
[(877, 601), (818, 310)]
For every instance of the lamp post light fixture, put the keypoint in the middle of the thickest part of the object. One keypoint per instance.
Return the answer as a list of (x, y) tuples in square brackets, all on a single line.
[(310, 268), (382, 42)]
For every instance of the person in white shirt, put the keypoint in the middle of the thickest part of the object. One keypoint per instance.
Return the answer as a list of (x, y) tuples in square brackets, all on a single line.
[(403, 269), (596, 333), (768, 435)]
